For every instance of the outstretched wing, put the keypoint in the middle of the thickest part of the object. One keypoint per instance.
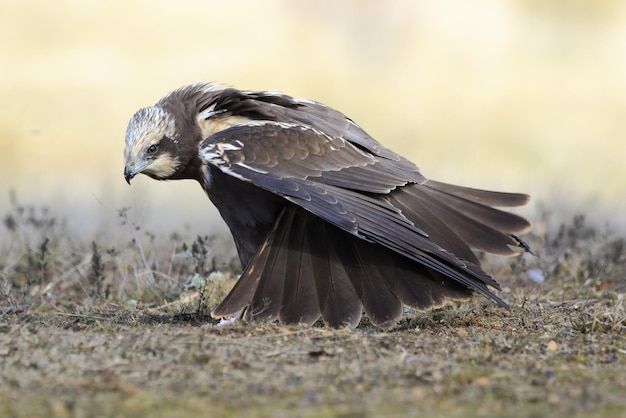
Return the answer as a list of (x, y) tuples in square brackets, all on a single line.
[(338, 181)]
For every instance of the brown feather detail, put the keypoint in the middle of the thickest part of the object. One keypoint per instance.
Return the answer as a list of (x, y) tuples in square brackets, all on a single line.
[(365, 264), (300, 301), (245, 288), (417, 286), (307, 267), (326, 220), (473, 207), (485, 197), (377, 221), (300, 253), (472, 232), (339, 303), (430, 222)]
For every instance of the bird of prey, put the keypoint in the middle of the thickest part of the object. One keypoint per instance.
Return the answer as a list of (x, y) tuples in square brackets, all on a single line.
[(327, 222)]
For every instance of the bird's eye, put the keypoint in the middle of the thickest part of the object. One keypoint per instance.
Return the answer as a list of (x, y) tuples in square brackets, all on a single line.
[(152, 149)]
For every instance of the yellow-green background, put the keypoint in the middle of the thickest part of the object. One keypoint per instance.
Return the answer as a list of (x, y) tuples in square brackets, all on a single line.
[(521, 95)]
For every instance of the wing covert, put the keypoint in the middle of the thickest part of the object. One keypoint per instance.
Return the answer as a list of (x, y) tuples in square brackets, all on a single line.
[(285, 151)]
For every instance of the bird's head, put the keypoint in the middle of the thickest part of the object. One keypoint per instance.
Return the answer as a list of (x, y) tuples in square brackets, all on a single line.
[(151, 144)]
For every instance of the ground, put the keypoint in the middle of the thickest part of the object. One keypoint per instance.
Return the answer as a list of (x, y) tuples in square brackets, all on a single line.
[(122, 329)]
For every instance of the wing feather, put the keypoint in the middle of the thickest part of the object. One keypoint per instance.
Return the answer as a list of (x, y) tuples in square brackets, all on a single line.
[(368, 216)]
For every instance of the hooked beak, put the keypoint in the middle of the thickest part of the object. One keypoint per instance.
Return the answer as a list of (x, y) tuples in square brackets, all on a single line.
[(134, 167), (128, 174)]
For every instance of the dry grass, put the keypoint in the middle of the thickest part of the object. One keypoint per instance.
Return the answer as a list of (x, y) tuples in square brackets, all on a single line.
[(121, 329)]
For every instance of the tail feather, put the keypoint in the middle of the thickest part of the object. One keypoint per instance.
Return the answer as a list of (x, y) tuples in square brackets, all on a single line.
[(299, 301), (296, 275), (261, 283), (266, 302), (420, 287), (339, 303), (379, 301), (245, 288)]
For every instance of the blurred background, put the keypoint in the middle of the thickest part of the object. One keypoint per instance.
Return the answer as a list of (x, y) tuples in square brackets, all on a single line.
[(517, 95)]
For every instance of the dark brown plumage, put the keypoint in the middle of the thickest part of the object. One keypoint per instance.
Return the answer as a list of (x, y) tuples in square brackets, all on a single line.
[(327, 221)]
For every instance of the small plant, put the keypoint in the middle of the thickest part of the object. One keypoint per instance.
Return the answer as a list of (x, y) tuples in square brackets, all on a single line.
[(199, 252), (204, 266), (133, 229), (26, 260), (96, 273)]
